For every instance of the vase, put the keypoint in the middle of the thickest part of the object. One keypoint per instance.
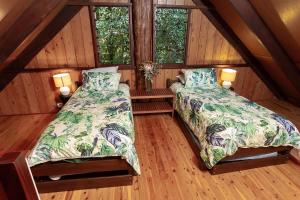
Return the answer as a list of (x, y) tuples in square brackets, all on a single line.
[(148, 84)]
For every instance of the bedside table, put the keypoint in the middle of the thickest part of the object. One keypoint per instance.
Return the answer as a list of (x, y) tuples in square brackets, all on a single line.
[(165, 106)]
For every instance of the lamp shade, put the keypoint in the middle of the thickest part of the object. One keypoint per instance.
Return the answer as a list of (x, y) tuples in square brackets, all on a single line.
[(61, 80), (228, 75)]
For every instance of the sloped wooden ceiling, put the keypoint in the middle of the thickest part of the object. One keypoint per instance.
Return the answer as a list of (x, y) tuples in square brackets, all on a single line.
[(20, 19), (268, 29), (25, 27)]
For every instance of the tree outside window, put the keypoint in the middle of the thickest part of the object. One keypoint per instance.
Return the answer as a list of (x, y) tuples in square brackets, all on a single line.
[(113, 35), (170, 35)]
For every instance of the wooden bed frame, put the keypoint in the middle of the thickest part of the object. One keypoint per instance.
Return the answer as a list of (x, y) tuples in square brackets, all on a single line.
[(226, 164), (88, 173)]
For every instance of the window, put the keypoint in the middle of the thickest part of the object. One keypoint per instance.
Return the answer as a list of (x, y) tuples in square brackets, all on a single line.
[(170, 35), (113, 35)]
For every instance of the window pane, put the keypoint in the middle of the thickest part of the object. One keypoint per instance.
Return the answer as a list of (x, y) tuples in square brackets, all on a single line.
[(112, 29), (170, 30)]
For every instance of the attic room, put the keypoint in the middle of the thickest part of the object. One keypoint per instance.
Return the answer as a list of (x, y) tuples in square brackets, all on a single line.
[(149, 99)]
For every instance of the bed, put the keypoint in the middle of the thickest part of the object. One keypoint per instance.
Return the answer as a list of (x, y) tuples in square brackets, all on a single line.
[(229, 132), (89, 144)]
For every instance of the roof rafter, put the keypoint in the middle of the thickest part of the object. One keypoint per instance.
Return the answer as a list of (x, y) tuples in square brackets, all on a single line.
[(248, 13), (18, 65), (26, 23), (233, 39)]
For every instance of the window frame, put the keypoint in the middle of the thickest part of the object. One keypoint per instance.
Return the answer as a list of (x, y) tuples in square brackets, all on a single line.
[(171, 65), (94, 35)]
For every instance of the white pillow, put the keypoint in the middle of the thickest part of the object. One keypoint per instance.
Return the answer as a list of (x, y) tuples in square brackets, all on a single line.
[(200, 77), (113, 69), (101, 81)]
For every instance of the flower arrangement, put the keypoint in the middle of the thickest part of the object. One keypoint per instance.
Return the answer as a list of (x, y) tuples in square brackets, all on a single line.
[(150, 69)]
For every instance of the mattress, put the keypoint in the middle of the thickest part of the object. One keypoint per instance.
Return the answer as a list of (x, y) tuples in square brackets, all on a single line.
[(223, 121), (91, 125)]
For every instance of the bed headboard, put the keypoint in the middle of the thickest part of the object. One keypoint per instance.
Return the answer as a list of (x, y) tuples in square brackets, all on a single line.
[(170, 82), (79, 83)]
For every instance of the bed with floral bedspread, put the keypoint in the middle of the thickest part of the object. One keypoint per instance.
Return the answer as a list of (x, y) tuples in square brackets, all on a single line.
[(92, 124), (224, 121)]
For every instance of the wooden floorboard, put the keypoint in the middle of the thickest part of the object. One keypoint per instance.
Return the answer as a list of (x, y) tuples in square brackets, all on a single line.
[(169, 166)]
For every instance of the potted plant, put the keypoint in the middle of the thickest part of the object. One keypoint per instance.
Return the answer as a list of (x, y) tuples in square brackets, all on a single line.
[(150, 70)]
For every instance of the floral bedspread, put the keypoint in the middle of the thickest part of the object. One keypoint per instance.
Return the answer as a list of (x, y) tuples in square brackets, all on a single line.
[(91, 124), (224, 121)]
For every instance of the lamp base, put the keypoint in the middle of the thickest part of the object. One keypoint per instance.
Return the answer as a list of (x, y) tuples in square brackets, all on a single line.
[(226, 84), (65, 91)]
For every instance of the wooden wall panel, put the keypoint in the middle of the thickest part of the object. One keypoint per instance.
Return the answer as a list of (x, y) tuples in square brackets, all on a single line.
[(247, 83), (206, 45), (34, 92), (71, 47)]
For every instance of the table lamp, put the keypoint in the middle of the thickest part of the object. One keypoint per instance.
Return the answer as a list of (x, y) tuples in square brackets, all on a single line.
[(228, 76), (63, 81)]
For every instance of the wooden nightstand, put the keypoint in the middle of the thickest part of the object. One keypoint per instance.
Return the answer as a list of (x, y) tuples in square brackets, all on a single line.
[(167, 105)]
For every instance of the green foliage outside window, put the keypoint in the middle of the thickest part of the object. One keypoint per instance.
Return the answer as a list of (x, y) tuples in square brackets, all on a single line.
[(170, 30), (112, 29)]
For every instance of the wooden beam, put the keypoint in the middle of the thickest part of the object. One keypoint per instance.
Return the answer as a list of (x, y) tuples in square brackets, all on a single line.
[(258, 26), (233, 39), (142, 11), (28, 21), (18, 65)]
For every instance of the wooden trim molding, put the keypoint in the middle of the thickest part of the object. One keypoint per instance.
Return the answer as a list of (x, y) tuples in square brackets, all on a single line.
[(186, 42), (94, 35), (131, 36)]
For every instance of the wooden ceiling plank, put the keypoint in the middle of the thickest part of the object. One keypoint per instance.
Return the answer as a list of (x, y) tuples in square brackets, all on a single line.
[(250, 16), (232, 38), (24, 25), (18, 65)]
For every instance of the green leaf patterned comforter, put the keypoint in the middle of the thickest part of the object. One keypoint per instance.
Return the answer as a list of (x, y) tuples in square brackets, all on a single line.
[(224, 121), (91, 124)]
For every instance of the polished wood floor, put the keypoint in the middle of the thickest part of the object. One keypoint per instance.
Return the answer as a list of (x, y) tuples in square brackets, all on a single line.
[(169, 167)]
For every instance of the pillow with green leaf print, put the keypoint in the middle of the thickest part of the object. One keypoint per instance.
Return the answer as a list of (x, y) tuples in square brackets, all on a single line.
[(100, 81), (200, 77)]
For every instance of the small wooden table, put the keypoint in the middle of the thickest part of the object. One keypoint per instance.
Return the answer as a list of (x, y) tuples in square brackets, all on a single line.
[(164, 106)]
